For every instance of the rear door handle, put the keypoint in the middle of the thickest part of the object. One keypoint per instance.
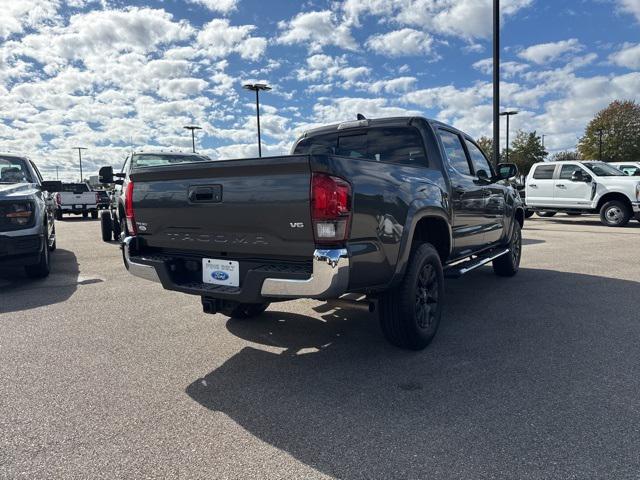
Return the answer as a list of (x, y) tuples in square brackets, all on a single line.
[(561, 185), (533, 185)]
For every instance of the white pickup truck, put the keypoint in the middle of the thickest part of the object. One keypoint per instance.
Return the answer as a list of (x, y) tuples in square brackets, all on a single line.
[(583, 187), (77, 198)]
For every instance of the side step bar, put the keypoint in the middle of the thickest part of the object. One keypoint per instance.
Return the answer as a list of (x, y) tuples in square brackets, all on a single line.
[(459, 269)]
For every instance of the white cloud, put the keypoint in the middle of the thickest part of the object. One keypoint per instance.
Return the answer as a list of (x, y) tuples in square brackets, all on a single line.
[(544, 53), (332, 110), (181, 87), (393, 86), (15, 15), (628, 56), (219, 6), (631, 6), (468, 19), (317, 29), (219, 38), (327, 68), (399, 43)]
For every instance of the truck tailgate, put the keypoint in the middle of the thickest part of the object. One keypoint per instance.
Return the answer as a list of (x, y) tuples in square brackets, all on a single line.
[(254, 207)]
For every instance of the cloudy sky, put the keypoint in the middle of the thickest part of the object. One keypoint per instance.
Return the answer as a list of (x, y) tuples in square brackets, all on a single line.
[(108, 74)]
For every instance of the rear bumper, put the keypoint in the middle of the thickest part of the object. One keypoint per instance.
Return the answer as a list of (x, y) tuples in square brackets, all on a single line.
[(329, 278), (78, 208)]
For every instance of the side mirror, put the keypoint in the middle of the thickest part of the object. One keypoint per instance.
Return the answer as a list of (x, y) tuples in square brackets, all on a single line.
[(51, 186), (507, 171), (105, 175)]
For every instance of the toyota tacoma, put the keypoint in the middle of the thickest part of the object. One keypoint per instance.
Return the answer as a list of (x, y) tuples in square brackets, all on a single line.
[(381, 208)]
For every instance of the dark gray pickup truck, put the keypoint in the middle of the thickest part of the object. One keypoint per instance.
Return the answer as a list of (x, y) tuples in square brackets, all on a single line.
[(382, 208)]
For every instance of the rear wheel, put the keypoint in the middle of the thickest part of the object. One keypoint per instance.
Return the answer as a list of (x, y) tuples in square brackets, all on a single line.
[(244, 310), (85, 214), (40, 269), (528, 213), (58, 214), (94, 214), (410, 314), (508, 264), (106, 226), (615, 214), (545, 214)]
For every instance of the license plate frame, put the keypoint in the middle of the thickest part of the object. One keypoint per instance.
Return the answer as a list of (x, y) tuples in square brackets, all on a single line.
[(217, 271)]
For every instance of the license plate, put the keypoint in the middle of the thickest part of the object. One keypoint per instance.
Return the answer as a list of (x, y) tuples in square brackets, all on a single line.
[(221, 272)]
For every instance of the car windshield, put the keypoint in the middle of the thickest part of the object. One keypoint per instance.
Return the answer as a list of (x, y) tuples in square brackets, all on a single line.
[(14, 170), (601, 169), (160, 160)]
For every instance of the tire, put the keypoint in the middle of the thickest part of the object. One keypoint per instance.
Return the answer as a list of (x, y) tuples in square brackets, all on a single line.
[(106, 226), (243, 311), (58, 214), (410, 313), (116, 229), (615, 214), (54, 245), (545, 214), (508, 264), (528, 213), (94, 214), (85, 214), (42, 268)]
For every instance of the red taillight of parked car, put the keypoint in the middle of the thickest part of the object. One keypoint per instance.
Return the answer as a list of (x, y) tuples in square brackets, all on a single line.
[(330, 208), (128, 210), (58, 199)]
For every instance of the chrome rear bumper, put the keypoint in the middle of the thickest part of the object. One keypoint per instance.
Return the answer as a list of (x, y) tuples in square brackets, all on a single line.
[(329, 278), (137, 269)]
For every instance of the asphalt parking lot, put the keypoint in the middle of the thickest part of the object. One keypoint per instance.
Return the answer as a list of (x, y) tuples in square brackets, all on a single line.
[(108, 376)]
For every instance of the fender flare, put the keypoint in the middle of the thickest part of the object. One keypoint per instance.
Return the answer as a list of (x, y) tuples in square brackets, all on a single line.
[(418, 211)]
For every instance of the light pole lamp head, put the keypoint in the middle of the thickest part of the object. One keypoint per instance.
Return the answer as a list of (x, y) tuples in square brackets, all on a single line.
[(192, 127), (508, 113), (256, 86)]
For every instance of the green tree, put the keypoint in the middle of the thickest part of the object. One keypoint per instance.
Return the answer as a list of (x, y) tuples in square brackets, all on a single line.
[(486, 144), (526, 150), (619, 127), (566, 156)]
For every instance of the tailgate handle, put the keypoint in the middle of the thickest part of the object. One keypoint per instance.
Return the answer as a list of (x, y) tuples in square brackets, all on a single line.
[(205, 194)]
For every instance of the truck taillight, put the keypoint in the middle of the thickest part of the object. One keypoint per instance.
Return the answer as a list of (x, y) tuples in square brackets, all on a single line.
[(330, 208), (58, 199), (128, 210)]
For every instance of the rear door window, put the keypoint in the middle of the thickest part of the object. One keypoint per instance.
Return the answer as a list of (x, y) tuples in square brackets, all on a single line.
[(544, 172)]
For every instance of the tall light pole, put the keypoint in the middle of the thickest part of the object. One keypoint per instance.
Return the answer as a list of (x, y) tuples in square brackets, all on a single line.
[(256, 87), (600, 132), (508, 114), (80, 159), (193, 128), (496, 81)]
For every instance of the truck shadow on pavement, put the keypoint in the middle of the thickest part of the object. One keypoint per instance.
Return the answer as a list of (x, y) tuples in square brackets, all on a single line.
[(535, 376), (17, 292)]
